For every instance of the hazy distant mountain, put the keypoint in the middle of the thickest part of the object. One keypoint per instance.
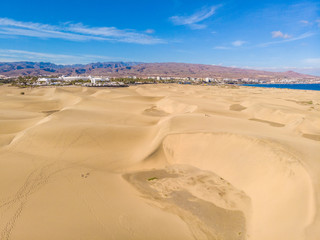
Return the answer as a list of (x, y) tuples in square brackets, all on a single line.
[(202, 70), (42, 68), (114, 69)]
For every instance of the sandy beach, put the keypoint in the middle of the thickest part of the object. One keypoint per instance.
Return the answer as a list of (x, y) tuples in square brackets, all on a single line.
[(159, 162)]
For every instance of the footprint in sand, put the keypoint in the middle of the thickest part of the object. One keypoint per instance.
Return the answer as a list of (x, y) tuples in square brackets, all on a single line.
[(85, 175)]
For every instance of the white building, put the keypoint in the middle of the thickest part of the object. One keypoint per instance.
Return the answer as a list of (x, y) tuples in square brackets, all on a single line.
[(96, 80), (43, 80), (68, 79)]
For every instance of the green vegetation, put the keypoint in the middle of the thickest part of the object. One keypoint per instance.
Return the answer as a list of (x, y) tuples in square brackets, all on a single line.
[(25, 81), (6, 81), (79, 82), (306, 102), (133, 81), (153, 178), (32, 81)]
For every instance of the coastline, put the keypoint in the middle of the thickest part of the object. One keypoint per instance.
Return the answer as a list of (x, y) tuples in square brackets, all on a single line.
[(297, 86)]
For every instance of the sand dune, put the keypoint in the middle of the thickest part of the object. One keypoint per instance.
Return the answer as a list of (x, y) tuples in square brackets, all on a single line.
[(159, 162)]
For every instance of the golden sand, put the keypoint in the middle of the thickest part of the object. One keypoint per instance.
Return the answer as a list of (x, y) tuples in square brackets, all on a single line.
[(159, 162)]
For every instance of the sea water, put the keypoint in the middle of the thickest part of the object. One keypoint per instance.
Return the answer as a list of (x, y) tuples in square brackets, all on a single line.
[(315, 87)]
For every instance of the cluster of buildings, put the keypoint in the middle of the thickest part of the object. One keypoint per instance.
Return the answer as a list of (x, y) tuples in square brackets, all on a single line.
[(63, 79), (106, 81), (95, 81), (88, 81), (218, 80), (294, 81)]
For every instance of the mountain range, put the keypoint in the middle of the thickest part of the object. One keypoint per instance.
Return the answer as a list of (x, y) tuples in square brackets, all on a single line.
[(123, 69)]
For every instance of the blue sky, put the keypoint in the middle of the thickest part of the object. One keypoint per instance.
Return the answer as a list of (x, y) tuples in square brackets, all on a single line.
[(271, 35)]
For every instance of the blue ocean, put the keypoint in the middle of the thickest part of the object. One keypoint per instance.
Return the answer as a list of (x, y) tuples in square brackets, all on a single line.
[(315, 87)]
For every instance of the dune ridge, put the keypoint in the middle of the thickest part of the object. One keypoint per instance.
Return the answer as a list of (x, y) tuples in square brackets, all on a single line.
[(160, 162)]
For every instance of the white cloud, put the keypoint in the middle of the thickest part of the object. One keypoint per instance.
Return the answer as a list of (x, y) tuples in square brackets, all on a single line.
[(313, 61), (238, 43), (194, 20), (74, 32), (279, 34), (150, 31), (310, 23), (222, 48), (235, 44), (9, 55), (305, 22), (302, 36)]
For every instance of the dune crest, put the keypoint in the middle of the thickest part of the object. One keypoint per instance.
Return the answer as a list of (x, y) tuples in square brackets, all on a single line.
[(159, 162)]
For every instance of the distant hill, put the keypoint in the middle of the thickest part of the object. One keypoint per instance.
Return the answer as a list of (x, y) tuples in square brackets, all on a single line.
[(117, 69), (45, 69)]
